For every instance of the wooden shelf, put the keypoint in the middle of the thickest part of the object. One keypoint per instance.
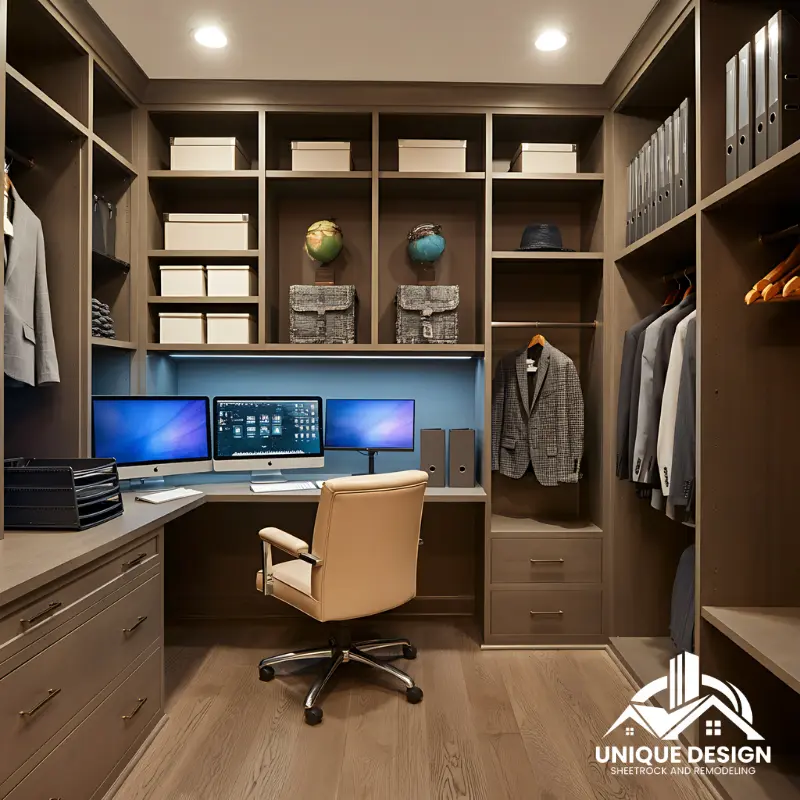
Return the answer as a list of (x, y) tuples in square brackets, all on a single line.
[(278, 349), (197, 175), (514, 255), (770, 635), (117, 344), (158, 347), (431, 176), (559, 177), (673, 241), (320, 175), (214, 254), (512, 525), (645, 657), (100, 261), (112, 154), (202, 301)]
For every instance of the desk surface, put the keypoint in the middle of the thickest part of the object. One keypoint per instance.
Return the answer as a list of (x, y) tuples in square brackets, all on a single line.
[(31, 559)]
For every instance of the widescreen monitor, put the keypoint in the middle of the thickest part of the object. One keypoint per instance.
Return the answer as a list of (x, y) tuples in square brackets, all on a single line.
[(375, 425)]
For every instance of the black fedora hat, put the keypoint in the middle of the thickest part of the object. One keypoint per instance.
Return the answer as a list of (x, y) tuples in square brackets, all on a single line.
[(543, 237)]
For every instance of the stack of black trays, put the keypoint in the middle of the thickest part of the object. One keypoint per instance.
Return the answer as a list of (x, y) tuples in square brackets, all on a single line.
[(69, 494)]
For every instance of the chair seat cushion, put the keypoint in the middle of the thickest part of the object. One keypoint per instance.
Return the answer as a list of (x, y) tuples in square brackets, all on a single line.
[(296, 574)]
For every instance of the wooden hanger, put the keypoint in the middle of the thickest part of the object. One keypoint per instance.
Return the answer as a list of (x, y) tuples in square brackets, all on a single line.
[(757, 292), (776, 288), (673, 295), (537, 339)]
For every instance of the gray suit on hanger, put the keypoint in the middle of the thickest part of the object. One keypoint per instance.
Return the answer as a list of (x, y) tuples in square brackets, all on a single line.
[(29, 346), (545, 430), (681, 489)]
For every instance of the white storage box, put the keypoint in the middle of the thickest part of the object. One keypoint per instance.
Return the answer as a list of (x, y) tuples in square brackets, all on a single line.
[(316, 156), (209, 232), (207, 153), (178, 280), (177, 327), (231, 328), (544, 158), (236, 280), (432, 155)]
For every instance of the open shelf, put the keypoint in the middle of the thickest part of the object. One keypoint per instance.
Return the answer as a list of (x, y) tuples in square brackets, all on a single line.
[(549, 177), (112, 114), (352, 350), (206, 255), (646, 657), (202, 301), (674, 243), (105, 150), (584, 188), (203, 348), (432, 176), (100, 261), (117, 344), (199, 176), (509, 526), (524, 256), (319, 175), (770, 635)]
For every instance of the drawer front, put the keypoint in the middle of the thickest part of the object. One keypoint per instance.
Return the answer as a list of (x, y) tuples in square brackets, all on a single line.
[(37, 698), (550, 612), (546, 560), (106, 735), (50, 607)]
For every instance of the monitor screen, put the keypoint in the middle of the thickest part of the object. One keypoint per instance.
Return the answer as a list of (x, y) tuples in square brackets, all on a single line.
[(151, 430), (370, 424), (267, 427)]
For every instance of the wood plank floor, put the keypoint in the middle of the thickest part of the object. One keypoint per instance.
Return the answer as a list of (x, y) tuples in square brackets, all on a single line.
[(494, 725)]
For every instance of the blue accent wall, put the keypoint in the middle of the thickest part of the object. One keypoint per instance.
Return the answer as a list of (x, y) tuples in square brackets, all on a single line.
[(111, 371)]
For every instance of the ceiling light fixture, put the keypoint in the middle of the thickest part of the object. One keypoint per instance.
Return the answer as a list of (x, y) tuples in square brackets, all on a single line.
[(211, 36), (549, 40)]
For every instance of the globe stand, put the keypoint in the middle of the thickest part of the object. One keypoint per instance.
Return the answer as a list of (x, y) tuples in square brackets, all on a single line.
[(325, 275), (426, 275)]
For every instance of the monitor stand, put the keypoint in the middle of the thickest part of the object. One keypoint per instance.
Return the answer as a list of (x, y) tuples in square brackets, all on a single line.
[(371, 454), (147, 483), (267, 476)]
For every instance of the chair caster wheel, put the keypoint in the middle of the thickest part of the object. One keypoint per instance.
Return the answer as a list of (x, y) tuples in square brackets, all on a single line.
[(409, 652), (414, 695), (313, 715), (266, 673)]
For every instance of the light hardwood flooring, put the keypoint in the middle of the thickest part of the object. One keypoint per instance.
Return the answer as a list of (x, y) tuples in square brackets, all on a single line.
[(493, 725)]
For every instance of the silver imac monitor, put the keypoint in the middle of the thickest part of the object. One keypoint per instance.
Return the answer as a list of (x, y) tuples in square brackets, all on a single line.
[(265, 435), (151, 437)]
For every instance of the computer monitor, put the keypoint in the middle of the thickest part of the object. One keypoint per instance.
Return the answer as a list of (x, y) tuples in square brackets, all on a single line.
[(371, 425), (267, 434), (151, 437)]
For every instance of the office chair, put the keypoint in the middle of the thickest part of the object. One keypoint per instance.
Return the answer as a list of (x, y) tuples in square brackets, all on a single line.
[(362, 561)]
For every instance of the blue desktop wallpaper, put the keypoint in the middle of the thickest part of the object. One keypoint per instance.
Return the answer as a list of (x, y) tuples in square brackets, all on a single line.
[(143, 431), (376, 424)]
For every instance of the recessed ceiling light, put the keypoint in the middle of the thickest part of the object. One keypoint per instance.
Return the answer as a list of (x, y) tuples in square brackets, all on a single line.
[(549, 40), (211, 36)]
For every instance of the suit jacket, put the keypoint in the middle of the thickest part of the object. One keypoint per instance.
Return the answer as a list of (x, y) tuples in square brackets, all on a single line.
[(29, 346), (681, 490), (545, 430)]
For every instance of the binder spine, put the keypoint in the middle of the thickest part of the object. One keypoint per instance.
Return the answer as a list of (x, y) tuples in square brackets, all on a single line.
[(731, 90), (745, 105), (760, 80)]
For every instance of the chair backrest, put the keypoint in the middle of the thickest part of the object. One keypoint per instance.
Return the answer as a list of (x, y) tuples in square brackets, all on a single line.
[(367, 535)]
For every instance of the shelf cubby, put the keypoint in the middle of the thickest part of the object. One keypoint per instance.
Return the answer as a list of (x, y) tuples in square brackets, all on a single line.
[(183, 305), (193, 258), (112, 114), (669, 247)]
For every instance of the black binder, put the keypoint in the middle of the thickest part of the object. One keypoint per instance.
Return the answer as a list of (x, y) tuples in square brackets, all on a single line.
[(731, 119), (669, 211), (760, 83), (745, 113), (783, 122)]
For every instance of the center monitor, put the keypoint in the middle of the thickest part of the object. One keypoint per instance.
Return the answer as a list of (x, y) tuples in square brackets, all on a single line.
[(267, 433)]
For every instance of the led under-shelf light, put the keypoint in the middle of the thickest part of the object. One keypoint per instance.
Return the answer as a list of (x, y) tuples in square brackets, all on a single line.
[(321, 355)]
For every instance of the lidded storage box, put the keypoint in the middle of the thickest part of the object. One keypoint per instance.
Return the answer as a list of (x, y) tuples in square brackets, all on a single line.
[(209, 232), (182, 327), (432, 155), (427, 314), (321, 156), (230, 328), (207, 153), (543, 157), (322, 314), (180, 280), (232, 280)]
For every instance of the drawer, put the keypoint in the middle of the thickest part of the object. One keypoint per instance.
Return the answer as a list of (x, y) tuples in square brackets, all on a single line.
[(551, 612), (46, 609), (108, 733), (37, 698), (546, 560)]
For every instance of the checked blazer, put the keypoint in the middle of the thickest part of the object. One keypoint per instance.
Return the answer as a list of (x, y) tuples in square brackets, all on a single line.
[(545, 430)]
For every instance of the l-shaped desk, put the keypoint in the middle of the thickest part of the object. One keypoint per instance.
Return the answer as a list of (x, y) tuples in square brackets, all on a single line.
[(81, 630)]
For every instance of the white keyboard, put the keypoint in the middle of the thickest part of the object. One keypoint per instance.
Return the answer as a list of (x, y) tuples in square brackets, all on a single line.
[(289, 486), (167, 495)]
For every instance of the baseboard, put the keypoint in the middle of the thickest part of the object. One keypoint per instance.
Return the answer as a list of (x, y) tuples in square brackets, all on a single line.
[(136, 757)]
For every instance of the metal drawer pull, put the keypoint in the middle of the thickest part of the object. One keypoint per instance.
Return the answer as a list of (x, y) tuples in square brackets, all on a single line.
[(546, 613), (134, 561), (139, 621), (51, 607), (51, 693), (142, 701), (547, 561)]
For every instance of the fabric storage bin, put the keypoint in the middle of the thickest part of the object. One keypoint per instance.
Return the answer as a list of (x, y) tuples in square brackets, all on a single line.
[(179, 327), (230, 328), (234, 280), (322, 314), (555, 157), (209, 232), (207, 153), (432, 155), (179, 280), (427, 314), (314, 156)]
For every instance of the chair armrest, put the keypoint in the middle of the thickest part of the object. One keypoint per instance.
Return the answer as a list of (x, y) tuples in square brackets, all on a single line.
[(289, 544)]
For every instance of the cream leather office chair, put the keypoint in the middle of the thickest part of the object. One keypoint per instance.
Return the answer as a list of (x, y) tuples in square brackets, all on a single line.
[(362, 561)]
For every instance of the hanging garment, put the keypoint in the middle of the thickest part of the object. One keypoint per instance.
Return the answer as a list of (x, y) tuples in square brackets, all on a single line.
[(655, 360), (682, 485), (681, 624), (29, 345), (669, 404), (544, 428)]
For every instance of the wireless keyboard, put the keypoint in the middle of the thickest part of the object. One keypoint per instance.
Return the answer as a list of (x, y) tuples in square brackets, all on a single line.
[(289, 486), (167, 495)]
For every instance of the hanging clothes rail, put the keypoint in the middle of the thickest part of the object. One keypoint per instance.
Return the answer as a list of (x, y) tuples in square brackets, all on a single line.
[(20, 159), (679, 273), (545, 324)]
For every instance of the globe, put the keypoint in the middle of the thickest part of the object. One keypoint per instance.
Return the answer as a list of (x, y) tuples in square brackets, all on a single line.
[(324, 241), (425, 243)]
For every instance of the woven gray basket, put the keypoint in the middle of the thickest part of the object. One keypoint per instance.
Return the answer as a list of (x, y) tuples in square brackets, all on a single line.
[(427, 314), (322, 314)]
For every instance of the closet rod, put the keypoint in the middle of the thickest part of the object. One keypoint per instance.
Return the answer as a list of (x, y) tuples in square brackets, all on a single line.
[(767, 238), (679, 273), (24, 160), (545, 324)]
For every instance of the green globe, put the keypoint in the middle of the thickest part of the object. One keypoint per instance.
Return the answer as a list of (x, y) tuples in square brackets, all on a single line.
[(324, 241)]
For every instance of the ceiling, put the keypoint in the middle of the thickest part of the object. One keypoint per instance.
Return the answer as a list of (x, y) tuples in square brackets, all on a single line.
[(364, 40)]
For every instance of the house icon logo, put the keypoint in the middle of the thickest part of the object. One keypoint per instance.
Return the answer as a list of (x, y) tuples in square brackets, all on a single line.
[(687, 704)]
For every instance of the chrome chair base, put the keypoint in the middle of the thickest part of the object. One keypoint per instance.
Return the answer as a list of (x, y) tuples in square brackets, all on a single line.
[(338, 655)]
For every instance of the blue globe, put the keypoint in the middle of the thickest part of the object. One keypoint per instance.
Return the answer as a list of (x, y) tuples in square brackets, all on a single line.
[(425, 244)]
